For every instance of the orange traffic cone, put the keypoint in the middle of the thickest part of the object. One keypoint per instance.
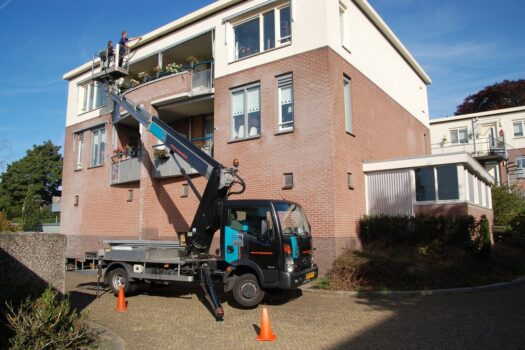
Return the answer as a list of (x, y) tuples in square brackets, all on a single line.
[(121, 301), (266, 330)]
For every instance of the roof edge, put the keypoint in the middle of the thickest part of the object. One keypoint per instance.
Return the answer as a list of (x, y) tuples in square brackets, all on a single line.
[(477, 114), (392, 38), (428, 160)]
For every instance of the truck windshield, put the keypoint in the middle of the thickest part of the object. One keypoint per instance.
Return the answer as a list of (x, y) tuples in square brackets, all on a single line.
[(292, 218)]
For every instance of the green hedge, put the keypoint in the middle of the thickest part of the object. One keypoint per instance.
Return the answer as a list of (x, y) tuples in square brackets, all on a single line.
[(419, 229)]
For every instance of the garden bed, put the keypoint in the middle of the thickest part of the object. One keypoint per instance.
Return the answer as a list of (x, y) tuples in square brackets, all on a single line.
[(435, 262)]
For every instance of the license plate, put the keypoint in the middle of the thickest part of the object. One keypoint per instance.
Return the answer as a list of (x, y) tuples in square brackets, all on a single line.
[(310, 275)]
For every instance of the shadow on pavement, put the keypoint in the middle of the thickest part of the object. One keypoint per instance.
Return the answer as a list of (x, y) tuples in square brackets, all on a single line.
[(482, 320), (80, 300)]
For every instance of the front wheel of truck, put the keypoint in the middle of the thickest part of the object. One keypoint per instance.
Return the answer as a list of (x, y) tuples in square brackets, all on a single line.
[(246, 291)]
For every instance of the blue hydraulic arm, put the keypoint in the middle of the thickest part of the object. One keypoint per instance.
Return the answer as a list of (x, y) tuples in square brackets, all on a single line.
[(220, 179)]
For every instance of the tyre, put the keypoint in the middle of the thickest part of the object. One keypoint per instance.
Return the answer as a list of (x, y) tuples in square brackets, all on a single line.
[(246, 291), (119, 277)]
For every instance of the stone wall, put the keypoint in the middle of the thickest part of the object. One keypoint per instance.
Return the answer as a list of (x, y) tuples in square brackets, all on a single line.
[(29, 262)]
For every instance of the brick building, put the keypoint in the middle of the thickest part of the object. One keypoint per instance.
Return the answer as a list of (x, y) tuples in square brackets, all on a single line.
[(301, 92)]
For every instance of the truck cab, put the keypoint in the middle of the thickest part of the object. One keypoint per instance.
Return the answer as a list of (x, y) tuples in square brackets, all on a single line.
[(266, 239)]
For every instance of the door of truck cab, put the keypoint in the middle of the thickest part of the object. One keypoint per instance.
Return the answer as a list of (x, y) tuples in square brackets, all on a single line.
[(251, 236)]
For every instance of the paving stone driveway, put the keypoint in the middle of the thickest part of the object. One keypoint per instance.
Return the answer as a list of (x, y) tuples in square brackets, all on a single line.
[(175, 318)]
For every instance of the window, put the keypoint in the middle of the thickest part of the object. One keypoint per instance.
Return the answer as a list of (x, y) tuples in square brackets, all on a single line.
[(98, 146), (247, 38), (80, 150), (91, 96), (446, 187), (447, 176), (350, 181), (185, 190), (249, 221), (246, 116), (425, 184), (471, 194), (288, 181), (480, 192), (264, 32), (285, 87), (459, 135), (518, 128), (285, 26), (348, 104), (520, 168)]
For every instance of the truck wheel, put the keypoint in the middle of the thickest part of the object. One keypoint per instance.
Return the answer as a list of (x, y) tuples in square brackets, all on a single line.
[(246, 291), (119, 277)]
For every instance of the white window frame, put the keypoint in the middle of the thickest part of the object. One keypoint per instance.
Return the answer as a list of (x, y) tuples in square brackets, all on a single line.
[(520, 167), (522, 126), (234, 134), (97, 157), (279, 40), (285, 81), (459, 141), (79, 150), (436, 185), (88, 95), (347, 96)]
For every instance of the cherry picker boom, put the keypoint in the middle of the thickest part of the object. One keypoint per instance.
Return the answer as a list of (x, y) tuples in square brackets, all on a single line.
[(264, 244)]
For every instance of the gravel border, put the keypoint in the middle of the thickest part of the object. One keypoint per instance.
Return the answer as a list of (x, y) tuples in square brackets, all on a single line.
[(465, 290)]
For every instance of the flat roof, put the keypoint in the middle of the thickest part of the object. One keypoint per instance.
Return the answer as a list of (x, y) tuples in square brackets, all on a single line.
[(477, 115), (222, 4), (429, 160)]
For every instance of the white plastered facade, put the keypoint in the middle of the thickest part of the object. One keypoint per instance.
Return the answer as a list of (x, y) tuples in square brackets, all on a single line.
[(315, 24)]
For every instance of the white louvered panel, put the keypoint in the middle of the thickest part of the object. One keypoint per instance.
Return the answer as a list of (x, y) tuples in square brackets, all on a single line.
[(389, 192)]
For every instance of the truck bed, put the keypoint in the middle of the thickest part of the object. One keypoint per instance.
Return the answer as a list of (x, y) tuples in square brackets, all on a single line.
[(168, 252)]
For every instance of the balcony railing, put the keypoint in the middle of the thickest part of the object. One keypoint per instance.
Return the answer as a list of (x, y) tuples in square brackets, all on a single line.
[(201, 76), (125, 170), (482, 147), (167, 165)]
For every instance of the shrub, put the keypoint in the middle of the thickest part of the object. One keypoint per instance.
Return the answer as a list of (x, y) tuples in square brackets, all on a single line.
[(345, 274), (5, 225), (419, 229), (506, 205), (482, 242), (47, 323), (517, 225)]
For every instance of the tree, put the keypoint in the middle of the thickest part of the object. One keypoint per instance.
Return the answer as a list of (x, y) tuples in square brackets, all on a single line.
[(506, 94), (41, 167), (31, 215)]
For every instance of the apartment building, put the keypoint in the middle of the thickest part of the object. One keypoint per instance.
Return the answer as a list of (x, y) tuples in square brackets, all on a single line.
[(300, 92), (495, 138)]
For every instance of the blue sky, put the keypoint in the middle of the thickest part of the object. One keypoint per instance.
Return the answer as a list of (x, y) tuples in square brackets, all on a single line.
[(463, 46)]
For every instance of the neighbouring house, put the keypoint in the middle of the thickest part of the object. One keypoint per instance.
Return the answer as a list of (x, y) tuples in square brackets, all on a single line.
[(300, 92), (495, 138)]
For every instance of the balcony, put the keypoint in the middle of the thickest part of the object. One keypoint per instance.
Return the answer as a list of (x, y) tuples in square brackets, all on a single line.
[(125, 168), (167, 165), (488, 148)]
